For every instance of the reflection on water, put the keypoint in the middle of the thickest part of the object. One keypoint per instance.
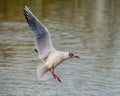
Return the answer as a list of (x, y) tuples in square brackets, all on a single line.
[(88, 28)]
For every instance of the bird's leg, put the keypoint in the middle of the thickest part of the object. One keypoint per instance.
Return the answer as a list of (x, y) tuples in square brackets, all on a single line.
[(54, 75), (58, 79), (52, 71)]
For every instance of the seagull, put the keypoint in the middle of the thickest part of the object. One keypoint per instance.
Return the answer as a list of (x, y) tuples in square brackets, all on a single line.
[(49, 56)]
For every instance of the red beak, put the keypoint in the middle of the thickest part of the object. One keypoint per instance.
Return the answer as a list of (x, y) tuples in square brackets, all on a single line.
[(76, 57)]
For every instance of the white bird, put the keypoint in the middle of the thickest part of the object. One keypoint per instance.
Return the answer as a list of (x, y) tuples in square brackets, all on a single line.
[(43, 45)]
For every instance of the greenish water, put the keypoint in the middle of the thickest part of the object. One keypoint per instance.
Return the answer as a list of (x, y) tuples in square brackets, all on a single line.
[(89, 28)]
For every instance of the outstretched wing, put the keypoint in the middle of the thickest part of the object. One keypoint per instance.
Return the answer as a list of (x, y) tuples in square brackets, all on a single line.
[(43, 42)]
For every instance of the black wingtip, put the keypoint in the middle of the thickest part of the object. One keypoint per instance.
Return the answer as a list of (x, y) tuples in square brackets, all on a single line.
[(24, 9), (24, 5)]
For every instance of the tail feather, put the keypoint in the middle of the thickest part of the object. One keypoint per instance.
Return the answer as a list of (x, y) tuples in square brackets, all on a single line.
[(42, 72)]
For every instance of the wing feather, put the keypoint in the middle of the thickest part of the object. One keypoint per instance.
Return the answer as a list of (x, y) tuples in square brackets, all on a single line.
[(43, 42)]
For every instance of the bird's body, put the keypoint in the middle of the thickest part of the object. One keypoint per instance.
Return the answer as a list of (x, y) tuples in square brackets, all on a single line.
[(52, 61), (50, 57), (55, 58)]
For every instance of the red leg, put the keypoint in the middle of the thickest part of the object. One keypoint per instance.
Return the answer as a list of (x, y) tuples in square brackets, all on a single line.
[(54, 75), (58, 78)]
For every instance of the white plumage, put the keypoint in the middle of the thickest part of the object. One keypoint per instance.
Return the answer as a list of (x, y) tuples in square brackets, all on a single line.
[(43, 45)]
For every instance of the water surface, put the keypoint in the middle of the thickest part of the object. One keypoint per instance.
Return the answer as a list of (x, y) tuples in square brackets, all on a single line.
[(87, 28)]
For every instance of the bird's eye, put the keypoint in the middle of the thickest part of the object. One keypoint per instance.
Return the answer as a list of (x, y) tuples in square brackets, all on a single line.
[(71, 54)]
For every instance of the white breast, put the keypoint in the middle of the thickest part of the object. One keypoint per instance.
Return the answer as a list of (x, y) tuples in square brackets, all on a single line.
[(55, 58)]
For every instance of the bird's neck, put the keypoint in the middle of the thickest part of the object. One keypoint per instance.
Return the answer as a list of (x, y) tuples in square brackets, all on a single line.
[(64, 55)]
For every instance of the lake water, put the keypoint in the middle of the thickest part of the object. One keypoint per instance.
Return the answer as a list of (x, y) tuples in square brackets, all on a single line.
[(89, 28)]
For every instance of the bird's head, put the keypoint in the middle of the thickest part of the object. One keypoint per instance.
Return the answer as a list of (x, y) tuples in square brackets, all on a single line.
[(71, 55)]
